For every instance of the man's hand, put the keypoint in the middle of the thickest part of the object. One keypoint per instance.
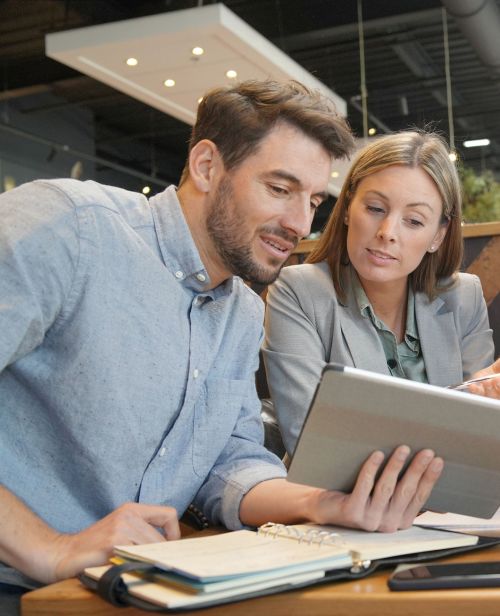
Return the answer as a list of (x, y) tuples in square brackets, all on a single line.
[(488, 388), (384, 505), (132, 523), (27, 543), (387, 504)]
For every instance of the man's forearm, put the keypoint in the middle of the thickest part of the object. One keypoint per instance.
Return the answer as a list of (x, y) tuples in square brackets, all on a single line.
[(277, 500), (383, 504), (24, 538)]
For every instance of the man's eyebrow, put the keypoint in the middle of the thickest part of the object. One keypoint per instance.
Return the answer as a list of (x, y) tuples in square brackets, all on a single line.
[(293, 179), (386, 198)]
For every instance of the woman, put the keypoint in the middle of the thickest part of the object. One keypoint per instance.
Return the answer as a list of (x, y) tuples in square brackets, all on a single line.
[(381, 291)]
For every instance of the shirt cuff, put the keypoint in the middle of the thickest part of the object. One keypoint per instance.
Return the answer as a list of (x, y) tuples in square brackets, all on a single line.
[(242, 482)]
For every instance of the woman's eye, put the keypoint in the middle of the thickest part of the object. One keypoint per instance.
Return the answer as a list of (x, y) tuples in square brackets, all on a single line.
[(415, 223), (375, 208)]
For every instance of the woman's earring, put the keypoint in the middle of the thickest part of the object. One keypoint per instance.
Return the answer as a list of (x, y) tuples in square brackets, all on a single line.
[(432, 249)]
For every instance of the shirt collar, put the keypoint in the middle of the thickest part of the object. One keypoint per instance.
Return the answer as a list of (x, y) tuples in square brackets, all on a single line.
[(366, 310), (177, 245)]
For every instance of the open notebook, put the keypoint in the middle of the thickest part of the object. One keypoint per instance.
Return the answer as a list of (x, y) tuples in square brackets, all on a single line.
[(209, 570)]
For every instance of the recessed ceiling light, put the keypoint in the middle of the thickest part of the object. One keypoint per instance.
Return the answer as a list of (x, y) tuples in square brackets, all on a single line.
[(132, 61), (92, 50), (475, 143), (335, 174), (170, 83), (231, 74), (197, 51), (146, 190), (372, 131), (453, 156)]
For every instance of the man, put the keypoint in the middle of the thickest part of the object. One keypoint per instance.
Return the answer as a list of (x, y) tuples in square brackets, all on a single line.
[(129, 345)]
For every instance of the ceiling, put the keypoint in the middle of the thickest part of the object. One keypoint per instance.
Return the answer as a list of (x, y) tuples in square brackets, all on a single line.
[(404, 56)]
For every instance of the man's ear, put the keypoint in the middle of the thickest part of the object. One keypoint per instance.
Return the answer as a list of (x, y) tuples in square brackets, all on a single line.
[(204, 164)]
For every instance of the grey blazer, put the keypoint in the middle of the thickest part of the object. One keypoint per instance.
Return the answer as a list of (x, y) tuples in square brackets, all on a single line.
[(307, 327)]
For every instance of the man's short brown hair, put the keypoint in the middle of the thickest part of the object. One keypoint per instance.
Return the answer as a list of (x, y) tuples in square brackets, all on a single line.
[(237, 118)]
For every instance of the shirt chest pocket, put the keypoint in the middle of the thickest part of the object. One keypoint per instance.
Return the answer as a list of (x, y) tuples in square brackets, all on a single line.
[(214, 419)]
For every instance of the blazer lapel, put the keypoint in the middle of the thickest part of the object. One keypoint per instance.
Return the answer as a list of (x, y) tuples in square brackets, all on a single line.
[(361, 338), (438, 341)]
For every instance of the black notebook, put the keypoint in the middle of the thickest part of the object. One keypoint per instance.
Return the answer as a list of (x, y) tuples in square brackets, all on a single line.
[(204, 571)]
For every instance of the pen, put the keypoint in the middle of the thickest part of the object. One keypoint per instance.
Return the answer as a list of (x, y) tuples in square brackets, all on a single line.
[(465, 384)]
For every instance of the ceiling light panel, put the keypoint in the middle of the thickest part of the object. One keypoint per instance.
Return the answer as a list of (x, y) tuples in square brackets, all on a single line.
[(163, 47)]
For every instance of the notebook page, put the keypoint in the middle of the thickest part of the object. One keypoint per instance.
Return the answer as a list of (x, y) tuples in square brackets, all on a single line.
[(236, 553), (381, 545), (461, 523), (161, 594)]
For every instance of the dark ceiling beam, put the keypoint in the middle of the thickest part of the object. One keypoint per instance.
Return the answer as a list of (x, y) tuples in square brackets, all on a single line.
[(319, 37), (78, 83), (92, 101), (40, 88), (33, 71)]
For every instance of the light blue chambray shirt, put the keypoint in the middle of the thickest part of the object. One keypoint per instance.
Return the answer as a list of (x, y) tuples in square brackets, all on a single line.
[(120, 379)]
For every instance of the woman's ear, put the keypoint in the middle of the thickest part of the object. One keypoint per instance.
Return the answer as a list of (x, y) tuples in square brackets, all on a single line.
[(439, 237), (204, 164)]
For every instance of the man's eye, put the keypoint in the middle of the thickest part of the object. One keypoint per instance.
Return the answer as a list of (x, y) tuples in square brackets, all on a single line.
[(278, 190)]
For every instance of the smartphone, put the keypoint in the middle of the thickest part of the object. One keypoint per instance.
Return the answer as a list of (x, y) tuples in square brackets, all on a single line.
[(447, 575)]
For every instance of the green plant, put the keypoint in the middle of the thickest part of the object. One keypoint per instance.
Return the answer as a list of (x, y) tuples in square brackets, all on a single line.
[(481, 196)]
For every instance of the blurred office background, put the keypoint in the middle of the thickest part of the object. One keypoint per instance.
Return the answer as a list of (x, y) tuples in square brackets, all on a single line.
[(414, 66)]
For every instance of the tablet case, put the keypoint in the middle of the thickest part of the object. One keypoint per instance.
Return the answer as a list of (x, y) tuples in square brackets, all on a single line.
[(354, 412)]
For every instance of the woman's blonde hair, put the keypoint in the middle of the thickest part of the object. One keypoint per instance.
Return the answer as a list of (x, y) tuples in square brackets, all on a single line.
[(423, 149)]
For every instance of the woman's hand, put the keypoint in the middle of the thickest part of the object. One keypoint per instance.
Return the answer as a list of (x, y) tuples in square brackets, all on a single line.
[(491, 387)]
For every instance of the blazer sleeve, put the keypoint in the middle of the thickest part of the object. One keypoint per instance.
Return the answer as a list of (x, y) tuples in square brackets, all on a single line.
[(294, 352), (476, 335)]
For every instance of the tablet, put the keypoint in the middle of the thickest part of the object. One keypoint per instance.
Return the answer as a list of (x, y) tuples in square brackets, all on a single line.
[(355, 412)]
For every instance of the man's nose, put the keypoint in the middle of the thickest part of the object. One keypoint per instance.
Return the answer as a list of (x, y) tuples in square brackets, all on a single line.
[(298, 219)]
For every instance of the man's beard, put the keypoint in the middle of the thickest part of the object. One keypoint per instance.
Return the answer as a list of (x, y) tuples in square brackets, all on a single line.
[(230, 238)]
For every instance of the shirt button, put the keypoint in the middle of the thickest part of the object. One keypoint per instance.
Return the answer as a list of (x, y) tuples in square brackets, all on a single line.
[(162, 452), (178, 274), (201, 277), (196, 373)]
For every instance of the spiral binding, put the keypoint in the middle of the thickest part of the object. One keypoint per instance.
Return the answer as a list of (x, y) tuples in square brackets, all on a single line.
[(312, 536)]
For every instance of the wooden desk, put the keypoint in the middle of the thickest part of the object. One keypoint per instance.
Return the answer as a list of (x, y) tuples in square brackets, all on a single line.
[(367, 597)]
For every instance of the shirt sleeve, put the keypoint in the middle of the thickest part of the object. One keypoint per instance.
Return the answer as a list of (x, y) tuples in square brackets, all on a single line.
[(38, 255), (294, 353)]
